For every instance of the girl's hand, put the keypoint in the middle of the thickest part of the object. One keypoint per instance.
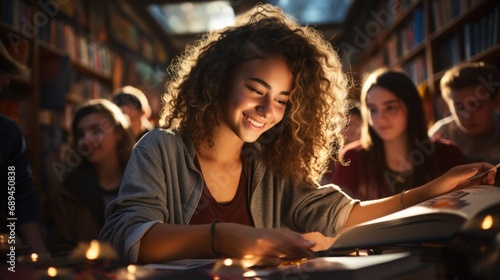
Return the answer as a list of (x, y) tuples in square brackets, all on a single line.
[(460, 177), (238, 241), (322, 242)]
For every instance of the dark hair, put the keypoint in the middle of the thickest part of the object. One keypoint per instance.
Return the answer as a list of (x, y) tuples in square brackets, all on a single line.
[(301, 144), (401, 85), (129, 95), (471, 75), (117, 119)]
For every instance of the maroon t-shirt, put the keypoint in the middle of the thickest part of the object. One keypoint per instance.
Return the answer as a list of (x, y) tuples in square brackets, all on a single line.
[(358, 181), (234, 211)]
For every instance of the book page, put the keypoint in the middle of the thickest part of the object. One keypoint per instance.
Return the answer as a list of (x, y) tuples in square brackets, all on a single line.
[(469, 201), (432, 220), (465, 202)]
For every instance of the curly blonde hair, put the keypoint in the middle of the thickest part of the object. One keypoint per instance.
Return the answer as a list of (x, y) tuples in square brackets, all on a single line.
[(311, 130)]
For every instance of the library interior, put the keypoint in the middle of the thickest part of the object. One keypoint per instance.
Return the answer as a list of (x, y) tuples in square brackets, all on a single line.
[(379, 101)]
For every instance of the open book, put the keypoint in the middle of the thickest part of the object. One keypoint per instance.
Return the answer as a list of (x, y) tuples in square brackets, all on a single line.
[(432, 220)]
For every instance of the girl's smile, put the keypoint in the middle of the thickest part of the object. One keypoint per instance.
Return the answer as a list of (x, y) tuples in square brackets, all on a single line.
[(257, 97)]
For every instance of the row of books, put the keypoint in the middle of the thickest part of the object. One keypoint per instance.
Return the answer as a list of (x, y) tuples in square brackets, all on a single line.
[(83, 50), (65, 26), (83, 88), (406, 37), (445, 10), (448, 53), (473, 38), (392, 10), (417, 69), (19, 15), (481, 34)]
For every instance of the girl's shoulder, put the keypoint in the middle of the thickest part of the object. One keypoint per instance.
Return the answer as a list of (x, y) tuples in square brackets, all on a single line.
[(161, 136), (169, 141), (445, 144), (449, 150)]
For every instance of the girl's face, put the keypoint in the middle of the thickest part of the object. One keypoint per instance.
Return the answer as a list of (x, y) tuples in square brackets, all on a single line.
[(97, 138), (387, 115), (257, 97)]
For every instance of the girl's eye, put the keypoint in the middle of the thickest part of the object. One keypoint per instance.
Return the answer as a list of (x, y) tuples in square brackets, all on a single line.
[(372, 110), (459, 107), (96, 131), (257, 92), (254, 90), (473, 105), (282, 102)]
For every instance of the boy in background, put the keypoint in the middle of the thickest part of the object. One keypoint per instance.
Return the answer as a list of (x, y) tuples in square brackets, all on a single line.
[(471, 91), (134, 103)]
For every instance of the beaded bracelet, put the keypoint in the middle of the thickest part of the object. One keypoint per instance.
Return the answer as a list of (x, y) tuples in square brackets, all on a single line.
[(212, 235)]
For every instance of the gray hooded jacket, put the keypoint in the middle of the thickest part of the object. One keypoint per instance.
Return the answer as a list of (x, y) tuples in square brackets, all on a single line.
[(161, 184)]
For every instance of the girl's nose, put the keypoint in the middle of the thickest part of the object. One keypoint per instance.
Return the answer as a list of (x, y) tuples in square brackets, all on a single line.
[(264, 108)]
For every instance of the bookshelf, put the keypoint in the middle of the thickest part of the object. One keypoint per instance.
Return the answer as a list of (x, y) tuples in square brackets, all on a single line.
[(19, 100), (424, 38), (74, 50)]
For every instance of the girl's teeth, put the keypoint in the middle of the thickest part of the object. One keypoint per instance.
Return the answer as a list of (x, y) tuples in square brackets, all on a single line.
[(254, 122)]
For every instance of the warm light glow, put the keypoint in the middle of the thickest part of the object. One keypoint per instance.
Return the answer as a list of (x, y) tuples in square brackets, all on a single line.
[(34, 257), (250, 273), (131, 268), (52, 271), (216, 277), (248, 261), (228, 262), (487, 222), (93, 251)]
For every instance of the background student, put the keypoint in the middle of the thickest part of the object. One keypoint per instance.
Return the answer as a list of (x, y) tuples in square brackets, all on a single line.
[(102, 138), (251, 117), (471, 91), (394, 152), (134, 103)]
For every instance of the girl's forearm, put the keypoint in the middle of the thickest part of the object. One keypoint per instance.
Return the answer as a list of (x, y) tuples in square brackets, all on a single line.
[(164, 242)]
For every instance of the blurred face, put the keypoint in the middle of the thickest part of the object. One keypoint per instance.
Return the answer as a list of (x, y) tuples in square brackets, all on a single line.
[(131, 111), (257, 97), (387, 115), (135, 116), (96, 138), (473, 109)]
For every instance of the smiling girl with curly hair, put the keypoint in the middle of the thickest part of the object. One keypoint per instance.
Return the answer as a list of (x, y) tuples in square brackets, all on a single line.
[(251, 115), (314, 115)]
